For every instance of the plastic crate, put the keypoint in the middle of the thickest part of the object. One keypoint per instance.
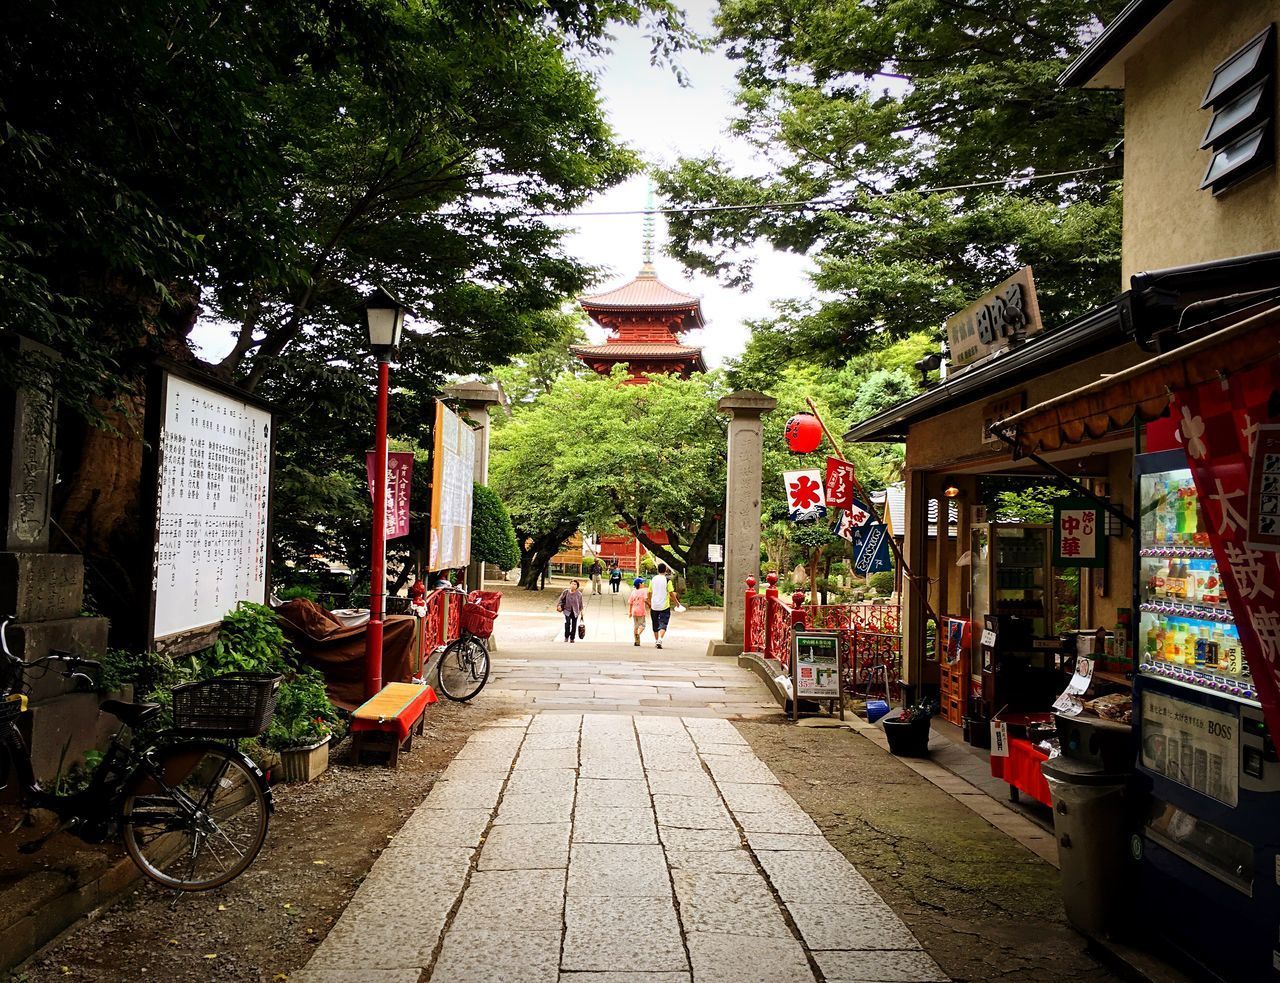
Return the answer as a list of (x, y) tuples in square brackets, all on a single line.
[(490, 600), (235, 704), (477, 620)]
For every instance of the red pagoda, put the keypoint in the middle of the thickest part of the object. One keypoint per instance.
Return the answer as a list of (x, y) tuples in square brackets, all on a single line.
[(645, 319)]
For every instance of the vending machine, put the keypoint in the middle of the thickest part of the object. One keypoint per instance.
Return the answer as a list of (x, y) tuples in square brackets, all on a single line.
[(1209, 834)]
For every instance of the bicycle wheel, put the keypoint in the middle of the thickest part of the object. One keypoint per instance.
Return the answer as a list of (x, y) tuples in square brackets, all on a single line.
[(207, 828), (464, 668)]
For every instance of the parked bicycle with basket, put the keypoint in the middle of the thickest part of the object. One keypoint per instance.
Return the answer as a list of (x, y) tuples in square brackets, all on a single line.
[(191, 809), (464, 666)]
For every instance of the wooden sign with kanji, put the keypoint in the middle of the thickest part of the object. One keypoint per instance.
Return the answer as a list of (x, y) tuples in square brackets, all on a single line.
[(1078, 534)]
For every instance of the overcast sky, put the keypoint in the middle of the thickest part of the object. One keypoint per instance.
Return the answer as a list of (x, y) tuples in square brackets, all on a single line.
[(661, 120), (656, 116)]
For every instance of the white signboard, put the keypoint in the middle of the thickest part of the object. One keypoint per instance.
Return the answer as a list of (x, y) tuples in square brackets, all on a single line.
[(715, 553), (1192, 745), (453, 478), (214, 483), (817, 667)]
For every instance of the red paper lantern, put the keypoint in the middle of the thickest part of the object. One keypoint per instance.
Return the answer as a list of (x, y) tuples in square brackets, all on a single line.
[(803, 433)]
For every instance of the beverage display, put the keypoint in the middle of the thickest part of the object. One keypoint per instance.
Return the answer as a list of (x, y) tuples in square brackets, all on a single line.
[(1186, 629)]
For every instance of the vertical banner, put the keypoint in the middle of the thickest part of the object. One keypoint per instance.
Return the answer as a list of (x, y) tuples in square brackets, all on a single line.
[(805, 498), (839, 483), (1232, 442), (399, 473)]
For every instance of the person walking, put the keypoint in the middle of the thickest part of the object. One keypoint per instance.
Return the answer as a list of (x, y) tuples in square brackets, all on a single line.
[(615, 577), (661, 599), (594, 572), (570, 605), (637, 606)]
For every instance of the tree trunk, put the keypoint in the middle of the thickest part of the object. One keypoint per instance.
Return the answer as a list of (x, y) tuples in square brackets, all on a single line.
[(536, 551)]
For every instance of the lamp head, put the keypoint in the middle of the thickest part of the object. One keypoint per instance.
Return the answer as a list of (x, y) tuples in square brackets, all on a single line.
[(385, 317)]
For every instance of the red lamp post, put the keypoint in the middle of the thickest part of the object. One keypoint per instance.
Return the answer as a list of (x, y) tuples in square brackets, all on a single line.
[(385, 316)]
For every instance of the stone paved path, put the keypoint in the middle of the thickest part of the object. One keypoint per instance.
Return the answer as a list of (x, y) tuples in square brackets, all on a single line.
[(614, 848)]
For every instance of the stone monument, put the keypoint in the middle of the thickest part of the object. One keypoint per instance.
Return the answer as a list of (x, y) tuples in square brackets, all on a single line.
[(44, 591)]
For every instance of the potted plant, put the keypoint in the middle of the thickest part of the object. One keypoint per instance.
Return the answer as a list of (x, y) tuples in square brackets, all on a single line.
[(302, 728), (908, 731)]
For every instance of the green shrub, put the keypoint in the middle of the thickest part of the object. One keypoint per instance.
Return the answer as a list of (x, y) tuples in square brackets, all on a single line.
[(881, 582), (493, 537), (305, 591)]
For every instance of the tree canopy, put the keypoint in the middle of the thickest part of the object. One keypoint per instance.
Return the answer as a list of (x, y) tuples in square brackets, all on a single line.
[(493, 539), (597, 451), (906, 118)]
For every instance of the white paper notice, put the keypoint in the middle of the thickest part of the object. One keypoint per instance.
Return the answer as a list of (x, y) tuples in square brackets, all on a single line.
[(999, 739), (988, 638), (1082, 678)]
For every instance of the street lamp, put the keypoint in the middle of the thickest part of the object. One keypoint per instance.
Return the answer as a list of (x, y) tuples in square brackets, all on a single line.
[(385, 317)]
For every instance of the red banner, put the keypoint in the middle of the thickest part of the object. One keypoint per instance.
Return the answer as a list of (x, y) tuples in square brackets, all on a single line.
[(839, 483), (1232, 441), (399, 472)]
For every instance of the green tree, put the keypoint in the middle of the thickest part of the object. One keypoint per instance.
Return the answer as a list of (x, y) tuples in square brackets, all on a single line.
[(493, 538), (597, 451), (873, 103), (534, 373)]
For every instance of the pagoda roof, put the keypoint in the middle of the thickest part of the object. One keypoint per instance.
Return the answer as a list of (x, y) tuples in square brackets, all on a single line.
[(622, 352), (647, 293)]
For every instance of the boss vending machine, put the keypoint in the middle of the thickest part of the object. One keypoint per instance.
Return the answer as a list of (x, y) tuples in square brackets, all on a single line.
[(1209, 871)]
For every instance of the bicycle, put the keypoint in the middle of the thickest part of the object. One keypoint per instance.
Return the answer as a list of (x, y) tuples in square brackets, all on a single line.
[(464, 665), (191, 809)]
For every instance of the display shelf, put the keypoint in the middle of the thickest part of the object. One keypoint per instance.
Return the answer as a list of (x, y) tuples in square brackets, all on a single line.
[(1112, 677), (1203, 679), (1197, 612), (1177, 552)]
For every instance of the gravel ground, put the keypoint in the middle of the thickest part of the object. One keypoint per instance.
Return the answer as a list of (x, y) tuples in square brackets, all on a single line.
[(324, 837)]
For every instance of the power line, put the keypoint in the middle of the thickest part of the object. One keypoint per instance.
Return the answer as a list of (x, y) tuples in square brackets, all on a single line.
[(826, 203)]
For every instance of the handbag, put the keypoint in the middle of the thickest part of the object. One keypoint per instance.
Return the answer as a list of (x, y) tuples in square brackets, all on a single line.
[(582, 629)]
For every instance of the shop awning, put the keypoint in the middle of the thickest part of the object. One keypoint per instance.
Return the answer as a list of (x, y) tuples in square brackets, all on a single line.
[(1142, 391)]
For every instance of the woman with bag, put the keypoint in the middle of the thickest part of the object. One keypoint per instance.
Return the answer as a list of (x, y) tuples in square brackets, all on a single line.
[(570, 605)]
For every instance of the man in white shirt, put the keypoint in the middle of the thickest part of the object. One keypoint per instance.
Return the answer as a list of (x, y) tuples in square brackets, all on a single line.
[(661, 600)]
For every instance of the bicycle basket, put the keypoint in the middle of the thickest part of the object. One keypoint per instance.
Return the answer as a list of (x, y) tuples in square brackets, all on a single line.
[(477, 620), (487, 599), (235, 704)]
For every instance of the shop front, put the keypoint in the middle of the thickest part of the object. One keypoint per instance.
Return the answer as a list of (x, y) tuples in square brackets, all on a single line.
[(1206, 834)]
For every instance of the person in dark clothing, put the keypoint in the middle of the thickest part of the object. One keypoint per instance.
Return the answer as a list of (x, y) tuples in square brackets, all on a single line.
[(570, 605), (594, 572), (615, 577)]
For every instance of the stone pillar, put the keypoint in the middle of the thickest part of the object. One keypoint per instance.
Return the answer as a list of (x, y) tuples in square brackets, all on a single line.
[(746, 410), (43, 591), (475, 399)]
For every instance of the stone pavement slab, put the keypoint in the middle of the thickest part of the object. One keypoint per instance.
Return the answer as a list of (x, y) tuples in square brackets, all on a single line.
[(643, 934), (526, 846), (485, 955)]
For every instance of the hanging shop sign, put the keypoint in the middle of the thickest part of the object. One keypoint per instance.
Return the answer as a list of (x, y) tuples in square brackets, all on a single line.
[(839, 483), (805, 497), (871, 549), (1078, 541), (987, 325), (399, 474), (1232, 441)]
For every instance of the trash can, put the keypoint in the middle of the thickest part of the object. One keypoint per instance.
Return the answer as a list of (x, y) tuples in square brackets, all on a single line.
[(1090, 812)]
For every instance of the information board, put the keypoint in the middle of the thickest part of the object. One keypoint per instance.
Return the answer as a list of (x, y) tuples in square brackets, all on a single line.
[(817, 658), (212, 508), (452, 482)]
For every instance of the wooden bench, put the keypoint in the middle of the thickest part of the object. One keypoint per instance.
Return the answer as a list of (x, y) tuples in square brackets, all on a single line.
[(386, 723)]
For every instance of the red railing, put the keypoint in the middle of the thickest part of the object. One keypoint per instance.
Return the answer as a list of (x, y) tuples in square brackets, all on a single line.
[(870, 635), (440, 625)]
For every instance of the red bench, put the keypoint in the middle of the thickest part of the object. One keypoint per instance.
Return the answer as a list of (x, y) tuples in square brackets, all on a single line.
[(387, 722)]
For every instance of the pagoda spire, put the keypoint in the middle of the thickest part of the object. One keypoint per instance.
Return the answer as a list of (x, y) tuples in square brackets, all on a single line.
[(649, 224)]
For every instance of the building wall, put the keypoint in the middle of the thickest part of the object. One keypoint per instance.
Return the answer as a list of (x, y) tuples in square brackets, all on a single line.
[(1168, 221)]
